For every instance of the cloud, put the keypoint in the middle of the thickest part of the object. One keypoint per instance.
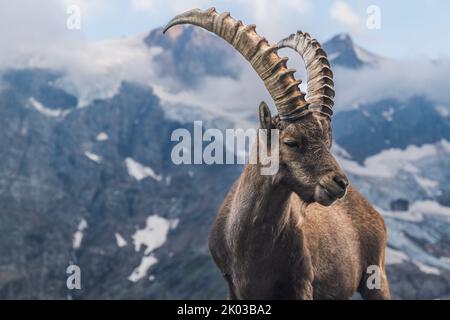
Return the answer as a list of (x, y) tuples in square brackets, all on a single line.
[(344, 14), (260, 8), (38, 29), (273, 18), (88, 8), (172, 7), (266, 10), (142, 4), (32, 32), (393, 79), (237, 99), (234, 99), (34, 35), (96, 70)]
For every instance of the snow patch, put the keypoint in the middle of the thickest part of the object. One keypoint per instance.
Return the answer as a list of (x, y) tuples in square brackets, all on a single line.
[(426, 183), (445, 259), (78, 235), (139, 171), (333, 55), (413, 216), (418, 210), (394, 256), (443, 111), (365, 56), (388, 163), (51, 113), (102, 136), (121, 242), (141, 271), (412, 232), (430, 207), (340, 151), (92, 156), (427, 269), (152, 236), (388, 114)]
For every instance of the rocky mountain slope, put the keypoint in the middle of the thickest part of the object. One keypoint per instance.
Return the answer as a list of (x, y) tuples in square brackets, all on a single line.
[(95, 186)]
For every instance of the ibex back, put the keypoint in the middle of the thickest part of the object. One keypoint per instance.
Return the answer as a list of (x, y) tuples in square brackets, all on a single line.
[(304, 232)]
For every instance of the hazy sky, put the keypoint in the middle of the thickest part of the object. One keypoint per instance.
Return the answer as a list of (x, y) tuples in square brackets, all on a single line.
[(408, 28), (34, 33)]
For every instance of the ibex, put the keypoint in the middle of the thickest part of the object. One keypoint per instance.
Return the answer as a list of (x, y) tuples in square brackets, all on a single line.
[(303, 233)]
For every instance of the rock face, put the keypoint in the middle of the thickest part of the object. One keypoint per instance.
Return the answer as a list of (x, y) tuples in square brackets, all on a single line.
[(388, 124), (191, 53), (96, 187), (343, 52), (399, 205), (55, 173)]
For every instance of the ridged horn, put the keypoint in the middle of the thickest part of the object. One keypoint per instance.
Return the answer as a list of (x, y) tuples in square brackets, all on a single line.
[(278, 79), (320, 91)]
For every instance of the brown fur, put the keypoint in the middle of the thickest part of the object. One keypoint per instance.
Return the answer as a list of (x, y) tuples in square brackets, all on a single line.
[(283, 237)]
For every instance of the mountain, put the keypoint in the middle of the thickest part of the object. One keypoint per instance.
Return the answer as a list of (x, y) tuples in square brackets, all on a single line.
[(396, 152), (95, 186), (38, 84), (390, 123), (385, 123), (77, 187), (406, 186), (190, 53), (342, 51)]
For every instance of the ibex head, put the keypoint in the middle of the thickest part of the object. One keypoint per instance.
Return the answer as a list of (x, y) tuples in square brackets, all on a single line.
[(306, 164)]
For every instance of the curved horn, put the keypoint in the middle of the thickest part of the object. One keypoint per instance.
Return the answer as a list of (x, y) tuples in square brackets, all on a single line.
[(320, 91), (278, 79)]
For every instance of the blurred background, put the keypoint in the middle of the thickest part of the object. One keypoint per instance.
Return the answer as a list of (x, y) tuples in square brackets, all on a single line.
[(90, 92)]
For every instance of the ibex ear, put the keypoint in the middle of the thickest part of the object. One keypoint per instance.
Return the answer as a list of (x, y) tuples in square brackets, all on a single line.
[(265, 118)]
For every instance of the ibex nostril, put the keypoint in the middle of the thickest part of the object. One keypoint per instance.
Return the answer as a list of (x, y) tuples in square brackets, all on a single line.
[(341, 182)]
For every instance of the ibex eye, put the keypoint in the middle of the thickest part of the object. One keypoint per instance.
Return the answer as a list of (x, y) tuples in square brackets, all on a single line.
[(291, 144)]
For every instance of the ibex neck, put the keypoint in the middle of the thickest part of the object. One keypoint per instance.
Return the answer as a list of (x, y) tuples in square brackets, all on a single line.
[(260, 199)]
